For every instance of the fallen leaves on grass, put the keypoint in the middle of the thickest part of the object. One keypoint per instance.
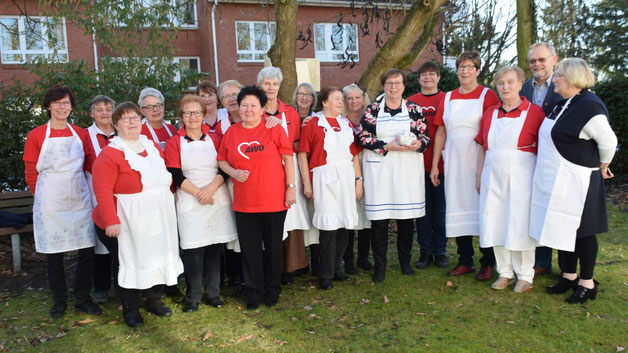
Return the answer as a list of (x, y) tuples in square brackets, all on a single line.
[(365, 301), (280, 342), (84, 321), (209, 334), (620, 349), (241, 339), (308, 308), (421, 314), (386, 300), (450, 284)]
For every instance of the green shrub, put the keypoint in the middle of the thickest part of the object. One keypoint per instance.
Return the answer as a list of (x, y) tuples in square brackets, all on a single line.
[(612, 92)]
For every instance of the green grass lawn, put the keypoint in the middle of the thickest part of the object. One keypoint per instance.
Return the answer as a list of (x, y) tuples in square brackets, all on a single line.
[(404, 314)]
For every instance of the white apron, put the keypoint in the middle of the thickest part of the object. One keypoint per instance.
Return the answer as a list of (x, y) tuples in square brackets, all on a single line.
[(559, 191), (223, 116), (62, 208), (506, 187), (394, 185), (297, 216), (148, 246), (153, 134), (462, 123), (93, 132), (202, 225)]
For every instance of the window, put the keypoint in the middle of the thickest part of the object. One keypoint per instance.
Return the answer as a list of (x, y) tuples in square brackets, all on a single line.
[(183, 62), (24, 39), (253, 39), (333, 43), (178, 12), (187, 63)]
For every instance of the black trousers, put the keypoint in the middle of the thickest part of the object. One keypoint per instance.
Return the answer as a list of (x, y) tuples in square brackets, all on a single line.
[(202, 265), (331, 245), (82, 280), (232, 265), (364, 246), (379, 240), (261, 268), (585, 251), (465, 252), (102, 272), (129, 297)]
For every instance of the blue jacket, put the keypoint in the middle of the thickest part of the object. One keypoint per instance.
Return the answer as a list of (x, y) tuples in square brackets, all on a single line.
[(551, 98)]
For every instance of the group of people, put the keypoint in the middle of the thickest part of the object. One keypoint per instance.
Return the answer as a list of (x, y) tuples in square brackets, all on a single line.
[(248, 187)]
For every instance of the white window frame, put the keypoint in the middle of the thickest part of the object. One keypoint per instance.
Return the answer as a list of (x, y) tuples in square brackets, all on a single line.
[(146, 4), (177, 59), (253, 51), (173, 3), (46, 51), (327, 54)]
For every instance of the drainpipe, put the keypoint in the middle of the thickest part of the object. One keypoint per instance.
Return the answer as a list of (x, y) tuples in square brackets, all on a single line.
[(214, 41), (95, 50)]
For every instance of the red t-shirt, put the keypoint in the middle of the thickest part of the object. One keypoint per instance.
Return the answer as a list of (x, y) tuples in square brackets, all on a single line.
[(113, 175), (292, 119), (313, 139), (489, 99), (428, 105), (529, 132), (259, 151), (173, 146), (162, 133), (32, 147)]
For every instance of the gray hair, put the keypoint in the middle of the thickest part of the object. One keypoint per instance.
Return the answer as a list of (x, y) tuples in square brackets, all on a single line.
[(147, 92), (353, 87), (506, 69), (576, 72), (101, 99), (549, 47), (310, 88), (223, 85), (268, 73)]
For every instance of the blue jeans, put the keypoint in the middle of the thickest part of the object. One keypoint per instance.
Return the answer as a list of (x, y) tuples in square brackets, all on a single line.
[(544, 258), (431, 227)]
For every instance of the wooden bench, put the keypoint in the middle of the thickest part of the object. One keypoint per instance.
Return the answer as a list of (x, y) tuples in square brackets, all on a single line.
[(20, 202)]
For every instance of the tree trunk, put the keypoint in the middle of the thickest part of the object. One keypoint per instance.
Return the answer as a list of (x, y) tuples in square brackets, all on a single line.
[(526, 32), (283, 52), (421, 16)]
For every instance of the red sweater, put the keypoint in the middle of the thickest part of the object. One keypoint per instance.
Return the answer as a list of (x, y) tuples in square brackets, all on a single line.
[(428, 105)]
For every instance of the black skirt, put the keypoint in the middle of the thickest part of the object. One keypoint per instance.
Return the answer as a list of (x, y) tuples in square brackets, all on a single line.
[(594, 219)]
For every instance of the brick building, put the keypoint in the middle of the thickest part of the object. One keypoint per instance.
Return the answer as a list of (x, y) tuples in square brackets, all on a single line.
[(244, 30)]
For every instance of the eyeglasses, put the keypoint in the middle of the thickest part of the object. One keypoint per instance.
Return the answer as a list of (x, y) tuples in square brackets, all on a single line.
[(61, 104), (127, 118), (558, 75), (195, 113), (393, 83), (304, 95), (540, 60), (153, 107), (466, 67), (230, 96)]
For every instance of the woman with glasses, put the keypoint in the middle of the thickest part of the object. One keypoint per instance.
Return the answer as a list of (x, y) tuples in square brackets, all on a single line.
[(135, 217), (208, 92), (304, 100), (55, 157), (204, 214), (229, 114), (152, 105), (393, 133)]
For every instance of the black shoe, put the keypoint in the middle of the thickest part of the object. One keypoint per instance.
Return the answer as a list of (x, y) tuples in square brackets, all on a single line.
[(407, 269), (562, 286), (286, 278), (379, 276), (441, 261), (582, 294), (325, 284), (424, 261), (341, 277), (58, 309), (302, 271), (366, 266), (190, 307), (271, 301), (174, 293), (133, 319), (350, 268), (157, 307), (88, 307), (101, 297), (252, 304), (213, 301)]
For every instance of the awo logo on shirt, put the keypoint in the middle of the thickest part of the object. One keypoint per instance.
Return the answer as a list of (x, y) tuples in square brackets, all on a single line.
[(251, 147), (428, 111)]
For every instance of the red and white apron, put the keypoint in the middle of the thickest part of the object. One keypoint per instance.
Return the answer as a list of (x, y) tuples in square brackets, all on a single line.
[(333, 184), (148, 245), (223, 117), (202, 225), (394, 185), (153, 134), (62, 208), (462, 123), (506, 187), (559, 191)]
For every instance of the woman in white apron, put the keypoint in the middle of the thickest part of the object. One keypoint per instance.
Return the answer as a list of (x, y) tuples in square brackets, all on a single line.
[(576, 145), (393, 133), (508, 133), (458, 120), (100, 132), (135, 217), (297, 218), (328, 151), (356, 101), (152, 103), (204, 214), (54, 156)]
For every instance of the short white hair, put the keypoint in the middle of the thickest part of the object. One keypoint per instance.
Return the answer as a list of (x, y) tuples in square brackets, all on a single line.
[(147, 92), (549, 47), (269, 72)]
